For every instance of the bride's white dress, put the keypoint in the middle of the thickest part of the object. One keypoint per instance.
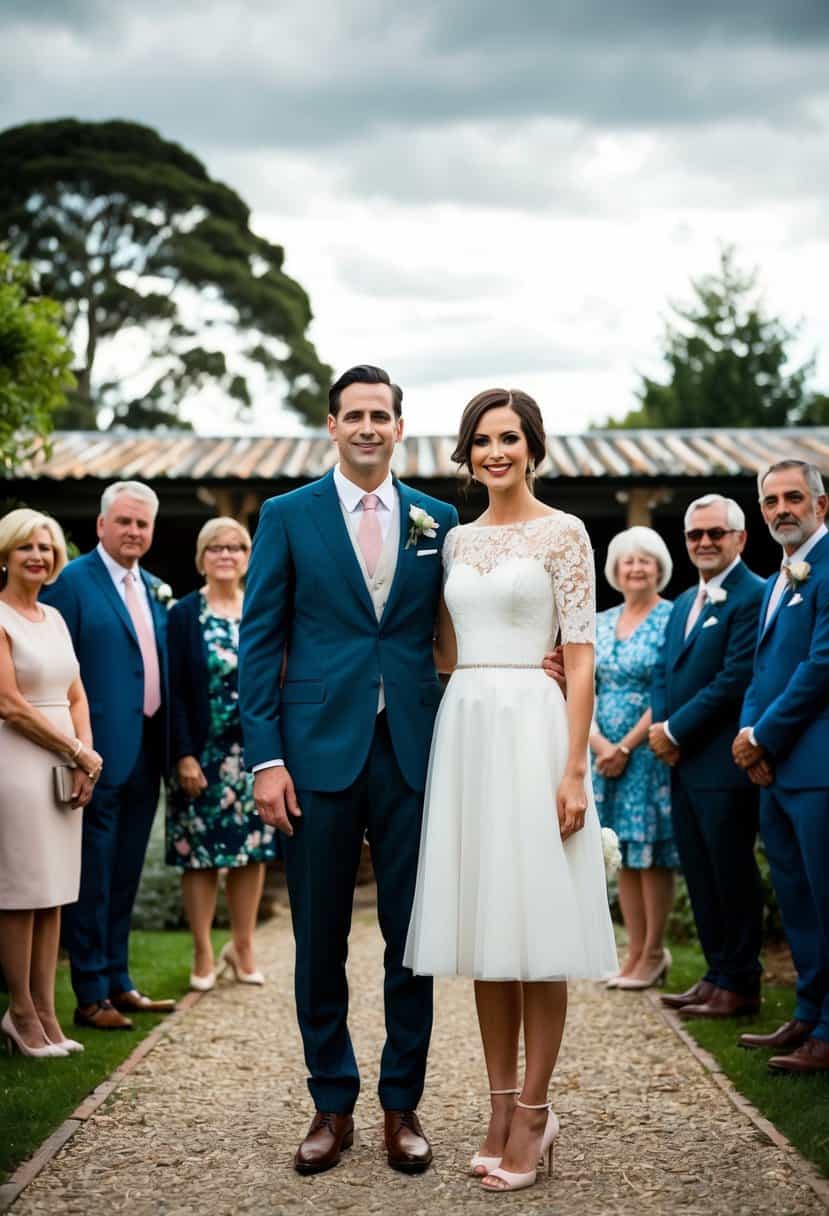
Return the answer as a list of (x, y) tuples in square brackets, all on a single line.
[(499, 896)]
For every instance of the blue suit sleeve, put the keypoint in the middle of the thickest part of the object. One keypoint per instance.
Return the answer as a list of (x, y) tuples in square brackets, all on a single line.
[(659, 689), (725, 692), (806, 693), (180, 681), (63, 596), (262, 636)]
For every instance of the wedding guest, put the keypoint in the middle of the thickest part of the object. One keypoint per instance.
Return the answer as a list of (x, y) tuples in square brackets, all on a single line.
[(783, 743), (45, 725), (698, 685), (632, 786), (117, 620), (212, 822)]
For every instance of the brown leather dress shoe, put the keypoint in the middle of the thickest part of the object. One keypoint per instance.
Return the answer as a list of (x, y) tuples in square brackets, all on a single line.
[(101, 1015), (722, 1003), (407, 1147), (327, 1136), (136, 1002), (813, 1056), (789, 1036), (697, 995)]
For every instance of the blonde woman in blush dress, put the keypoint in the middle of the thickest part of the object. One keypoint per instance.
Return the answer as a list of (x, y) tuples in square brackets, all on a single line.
[(45, 723), (511, 888)]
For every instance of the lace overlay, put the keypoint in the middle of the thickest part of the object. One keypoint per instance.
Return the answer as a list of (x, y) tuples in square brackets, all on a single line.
[(559, 543)]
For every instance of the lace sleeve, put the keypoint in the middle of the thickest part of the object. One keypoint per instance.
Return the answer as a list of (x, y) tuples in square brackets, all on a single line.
[(447, 553), (570, 563)]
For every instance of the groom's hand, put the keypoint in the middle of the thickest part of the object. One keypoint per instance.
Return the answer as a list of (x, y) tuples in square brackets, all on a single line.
[(275, 798), (553, 665)]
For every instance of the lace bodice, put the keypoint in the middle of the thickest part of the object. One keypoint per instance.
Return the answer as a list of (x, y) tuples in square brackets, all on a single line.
[(510, 588)]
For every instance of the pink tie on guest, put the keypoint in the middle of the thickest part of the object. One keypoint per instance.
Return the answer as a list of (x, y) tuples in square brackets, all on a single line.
[(696, 609), (146, 640), (369, 536)]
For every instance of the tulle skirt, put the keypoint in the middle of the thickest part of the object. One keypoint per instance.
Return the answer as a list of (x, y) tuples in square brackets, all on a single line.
[(499, 896)]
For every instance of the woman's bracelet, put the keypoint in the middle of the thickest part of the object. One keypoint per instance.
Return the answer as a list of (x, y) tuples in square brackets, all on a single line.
[(77, 751), (624, 750)]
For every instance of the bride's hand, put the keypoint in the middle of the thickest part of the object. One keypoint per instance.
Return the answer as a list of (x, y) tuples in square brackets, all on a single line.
[(571, 803)]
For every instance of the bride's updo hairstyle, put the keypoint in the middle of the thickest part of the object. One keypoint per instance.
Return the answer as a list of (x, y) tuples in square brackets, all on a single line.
[(532, 425)]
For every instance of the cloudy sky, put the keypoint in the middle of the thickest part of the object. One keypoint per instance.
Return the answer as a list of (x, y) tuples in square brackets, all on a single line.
[(476, 192)]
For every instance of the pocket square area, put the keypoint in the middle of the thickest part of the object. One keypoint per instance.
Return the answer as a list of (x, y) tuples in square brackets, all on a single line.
[(426, 552), (796, 599), (712, 620)]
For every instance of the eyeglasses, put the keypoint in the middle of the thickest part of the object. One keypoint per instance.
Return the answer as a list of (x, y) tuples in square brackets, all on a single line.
[(714, 534), (233, 550)]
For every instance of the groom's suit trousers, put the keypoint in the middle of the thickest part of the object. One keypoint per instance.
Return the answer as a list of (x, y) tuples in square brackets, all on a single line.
[(321, 861)]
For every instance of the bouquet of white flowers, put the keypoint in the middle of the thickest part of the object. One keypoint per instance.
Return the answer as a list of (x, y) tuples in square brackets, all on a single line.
[(612, 852)]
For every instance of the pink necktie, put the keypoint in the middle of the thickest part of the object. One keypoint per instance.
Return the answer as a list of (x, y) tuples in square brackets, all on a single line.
[(696, 609), (146, 640), (369, 536)]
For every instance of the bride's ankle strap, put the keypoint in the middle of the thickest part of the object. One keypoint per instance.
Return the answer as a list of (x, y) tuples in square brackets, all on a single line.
[(505, 1091), (530, 1106)]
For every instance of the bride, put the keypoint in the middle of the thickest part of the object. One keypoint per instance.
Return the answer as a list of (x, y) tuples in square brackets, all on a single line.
[(511, 886)]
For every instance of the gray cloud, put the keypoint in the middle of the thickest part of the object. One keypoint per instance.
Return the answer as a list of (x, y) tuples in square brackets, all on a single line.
[(367, 275)]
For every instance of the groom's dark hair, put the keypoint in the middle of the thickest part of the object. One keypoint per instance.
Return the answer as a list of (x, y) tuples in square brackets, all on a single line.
[(364, 373)]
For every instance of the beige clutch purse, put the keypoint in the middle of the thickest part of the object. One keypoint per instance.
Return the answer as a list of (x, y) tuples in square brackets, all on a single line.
[(62, 775)]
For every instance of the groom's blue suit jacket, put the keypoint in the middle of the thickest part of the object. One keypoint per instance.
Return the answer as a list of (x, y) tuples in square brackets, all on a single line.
[(787, 701), (699, 681), (306, 593)]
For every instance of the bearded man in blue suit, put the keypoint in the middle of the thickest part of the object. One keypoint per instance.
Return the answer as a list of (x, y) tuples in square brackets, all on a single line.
[(698, 687), (784, 746), (345, 580)]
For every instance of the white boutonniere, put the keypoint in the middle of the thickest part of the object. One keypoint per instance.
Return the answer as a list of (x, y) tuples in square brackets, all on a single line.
[(611, 852), (796, 599), (420, 524), (716, 595), (162, 593), (797, 573), (712, 620)]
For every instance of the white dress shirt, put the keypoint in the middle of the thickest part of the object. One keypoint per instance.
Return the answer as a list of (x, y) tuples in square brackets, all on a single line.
[(351, 501), (118, 573), (716, 580)]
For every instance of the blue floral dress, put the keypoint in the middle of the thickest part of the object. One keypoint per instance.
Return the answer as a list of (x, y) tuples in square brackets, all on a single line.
[(637, 805), (222, 826)]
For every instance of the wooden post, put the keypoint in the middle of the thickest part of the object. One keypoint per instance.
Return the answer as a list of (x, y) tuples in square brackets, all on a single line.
[(235, 503), (640, 503)]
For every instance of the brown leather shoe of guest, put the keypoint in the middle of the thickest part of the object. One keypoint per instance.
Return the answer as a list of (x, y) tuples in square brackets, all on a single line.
[(407, 1147), (136, 1002), (327, 1136), (722, 1003), (789, 1036), (100, 1015), (813, 1056), (697, 995)]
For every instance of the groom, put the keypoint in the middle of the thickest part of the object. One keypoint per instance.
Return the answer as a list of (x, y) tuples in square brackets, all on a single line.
[(345, 579)]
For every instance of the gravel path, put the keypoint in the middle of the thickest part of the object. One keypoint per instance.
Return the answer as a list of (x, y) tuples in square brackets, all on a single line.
[(209, 1120)]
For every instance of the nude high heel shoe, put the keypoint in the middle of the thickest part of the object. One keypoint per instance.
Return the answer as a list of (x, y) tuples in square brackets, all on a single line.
[(15, 1042), (518, 1182), (657, 976), (488, 1163), (228, 959)]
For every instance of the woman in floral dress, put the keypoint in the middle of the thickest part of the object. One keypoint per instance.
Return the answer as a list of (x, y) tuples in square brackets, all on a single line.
[(212, 823), (632, 787)]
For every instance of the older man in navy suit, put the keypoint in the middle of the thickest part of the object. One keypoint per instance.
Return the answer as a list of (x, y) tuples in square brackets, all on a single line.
[(698, 689), (117, 618), (784, 745)]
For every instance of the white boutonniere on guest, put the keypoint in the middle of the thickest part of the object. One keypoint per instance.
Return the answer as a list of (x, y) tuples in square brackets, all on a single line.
[(716, 595), (611, 852), (420, 524), (798, 572), (162, 593)]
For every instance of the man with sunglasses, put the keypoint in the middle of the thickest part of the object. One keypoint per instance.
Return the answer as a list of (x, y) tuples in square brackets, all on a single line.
[(698, 688)]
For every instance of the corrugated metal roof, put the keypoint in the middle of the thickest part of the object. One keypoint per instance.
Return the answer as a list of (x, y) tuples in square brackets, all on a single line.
[(594, 454)]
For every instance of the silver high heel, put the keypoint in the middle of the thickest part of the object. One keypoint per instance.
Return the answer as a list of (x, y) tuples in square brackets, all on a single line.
[(518, 1182), (657, 976), (14, 1041), (488, 1163), (226, 959)]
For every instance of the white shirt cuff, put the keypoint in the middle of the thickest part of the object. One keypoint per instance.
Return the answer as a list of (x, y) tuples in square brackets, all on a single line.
[(258, 768), (667, 731), (752, 738)]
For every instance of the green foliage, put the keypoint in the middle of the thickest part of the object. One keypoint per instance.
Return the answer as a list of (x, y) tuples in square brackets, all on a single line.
[(35, 364), (727, 363), (130, 233)]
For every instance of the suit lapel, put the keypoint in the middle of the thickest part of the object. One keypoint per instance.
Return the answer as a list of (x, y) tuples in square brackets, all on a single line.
[(100, 572), (405, 557), (327, 515), (157, 610), (685, 643)]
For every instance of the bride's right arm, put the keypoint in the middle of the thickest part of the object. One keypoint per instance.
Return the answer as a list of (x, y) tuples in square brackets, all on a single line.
[(444, 644)]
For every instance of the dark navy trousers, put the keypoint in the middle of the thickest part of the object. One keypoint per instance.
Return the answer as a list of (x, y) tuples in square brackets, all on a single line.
[(321, 860)]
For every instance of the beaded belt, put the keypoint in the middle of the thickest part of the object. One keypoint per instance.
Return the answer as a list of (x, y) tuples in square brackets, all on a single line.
[(498, 666)]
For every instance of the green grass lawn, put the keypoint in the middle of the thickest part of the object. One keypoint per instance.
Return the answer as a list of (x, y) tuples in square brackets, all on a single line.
[(798, 1106), (37, 1095)]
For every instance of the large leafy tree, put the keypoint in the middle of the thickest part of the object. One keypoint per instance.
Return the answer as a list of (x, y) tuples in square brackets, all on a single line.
[(35, 364), (728, 364), (156, 261)]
